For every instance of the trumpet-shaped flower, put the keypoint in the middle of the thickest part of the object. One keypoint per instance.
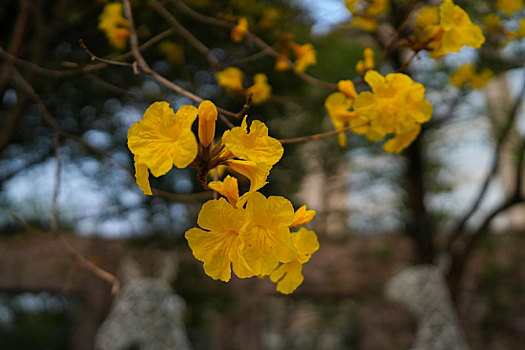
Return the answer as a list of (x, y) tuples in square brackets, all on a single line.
[(454, 30), (305, 56), (338, 106), (114, 25), (260, 91), (240, 30), (365, 12), (163, 139), (466, 74), (218, 244), (230, 79), (254, 145), (289, 275), (396, 105), (302, 216), (266, 235)]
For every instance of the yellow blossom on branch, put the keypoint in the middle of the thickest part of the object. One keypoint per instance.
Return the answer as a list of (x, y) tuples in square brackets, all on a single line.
[(114, 25), (163, 138), (260, 91), (229, 188), (218, 244), (239, 31), (207, 120), (230, 79), (305, 56), (367, 63), (466, 74), (508, 7), (338, 106), (365, 13), (396, 105), (289, 275), (454, 30)]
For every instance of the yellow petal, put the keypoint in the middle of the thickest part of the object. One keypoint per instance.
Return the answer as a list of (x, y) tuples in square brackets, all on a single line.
[(230, 79), (401, 141), (142, 176), (255, 172), (228, 188), (288, 277), (306, 244), (347, 87), (260, 91), (302, 216)]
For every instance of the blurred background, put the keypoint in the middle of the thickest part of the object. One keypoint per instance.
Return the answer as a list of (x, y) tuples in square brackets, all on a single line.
[(453, 198)]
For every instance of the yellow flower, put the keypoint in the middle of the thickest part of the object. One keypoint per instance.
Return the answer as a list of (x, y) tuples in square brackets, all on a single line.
[(280, 64), (289, 276), (455, 30), (172, 51), (508, 7), (365, 23), (396, 105), (492, 23), (230, 79), (466, 74), (260, 90), (302, 216), (207, 120), (229, 188), (114, 25), (368, 63), (254, 145), (163, 139), (365, 12), (266, 236), (240, 30), (338, 106), (142, 176), (305, 56), (218, 245)]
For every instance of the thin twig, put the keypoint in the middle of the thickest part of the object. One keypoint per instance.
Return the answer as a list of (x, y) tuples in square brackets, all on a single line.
[(143, 65), (56, 190), (187, 35), (256, 40), (400, 28), (460, 226), (318, 136), (103, 60)]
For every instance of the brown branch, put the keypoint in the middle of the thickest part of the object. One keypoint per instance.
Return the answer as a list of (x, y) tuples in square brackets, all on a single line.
[(256, 40), (103, 60), (460, 226), (143, 65), (399, 29), (35, 68), (318, 136), (188, 36)]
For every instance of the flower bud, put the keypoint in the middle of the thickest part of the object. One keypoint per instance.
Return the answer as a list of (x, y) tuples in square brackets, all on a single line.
[(207, 118)]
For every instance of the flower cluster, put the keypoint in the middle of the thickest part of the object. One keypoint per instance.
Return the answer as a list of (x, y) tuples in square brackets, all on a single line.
[(366, 12), (305, 55), (396, 105), (250, 233), (114, 25), (466, 75), (445, 29), (496, 23), (231, 80)]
